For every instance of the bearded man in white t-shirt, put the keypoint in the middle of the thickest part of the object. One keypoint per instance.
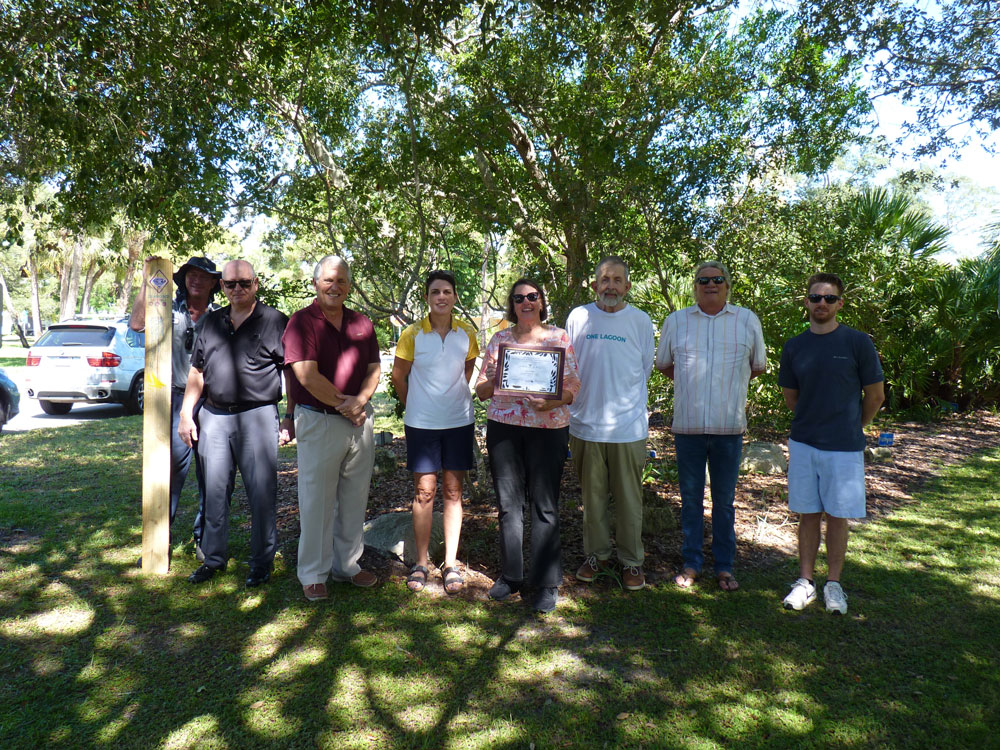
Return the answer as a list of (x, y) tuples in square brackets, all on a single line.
[(609, 423)]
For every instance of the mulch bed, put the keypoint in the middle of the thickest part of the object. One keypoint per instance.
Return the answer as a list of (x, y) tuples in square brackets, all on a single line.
[(765, 529)]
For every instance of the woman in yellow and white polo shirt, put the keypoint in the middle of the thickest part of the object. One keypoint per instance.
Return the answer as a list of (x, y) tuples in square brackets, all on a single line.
[(434, 361)]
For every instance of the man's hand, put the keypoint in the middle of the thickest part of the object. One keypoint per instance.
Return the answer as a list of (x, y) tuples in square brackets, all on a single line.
[(353, 407), (286, 431), (187, 429)]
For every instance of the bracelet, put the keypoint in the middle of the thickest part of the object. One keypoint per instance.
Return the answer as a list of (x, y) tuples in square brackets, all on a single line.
[(289, 415)]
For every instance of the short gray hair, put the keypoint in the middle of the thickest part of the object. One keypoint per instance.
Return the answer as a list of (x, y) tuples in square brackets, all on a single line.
[(719, 266), (331, 260), (611, 260)]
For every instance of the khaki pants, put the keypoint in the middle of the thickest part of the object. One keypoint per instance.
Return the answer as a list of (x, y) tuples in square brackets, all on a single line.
[(609, 471), (335, 470)]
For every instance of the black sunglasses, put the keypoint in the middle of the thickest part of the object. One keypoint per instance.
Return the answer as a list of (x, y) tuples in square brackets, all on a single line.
[(530, 296), (829, 298), (188, 339), (713, 279), (244, 283)]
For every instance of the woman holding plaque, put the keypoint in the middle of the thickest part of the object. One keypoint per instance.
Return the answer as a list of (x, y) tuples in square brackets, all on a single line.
[(529, 376), (434, 361)]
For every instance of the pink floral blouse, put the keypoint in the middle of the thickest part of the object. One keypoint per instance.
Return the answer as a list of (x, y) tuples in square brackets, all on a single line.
[(515, 409)]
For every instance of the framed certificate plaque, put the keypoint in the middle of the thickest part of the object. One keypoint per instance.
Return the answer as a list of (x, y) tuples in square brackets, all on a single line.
[(535, 371)]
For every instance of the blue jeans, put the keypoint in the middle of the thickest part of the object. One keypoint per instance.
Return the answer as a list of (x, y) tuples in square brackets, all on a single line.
[(722, 453)]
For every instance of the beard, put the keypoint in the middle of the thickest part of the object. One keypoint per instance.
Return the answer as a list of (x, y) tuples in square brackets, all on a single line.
[(610, 299)]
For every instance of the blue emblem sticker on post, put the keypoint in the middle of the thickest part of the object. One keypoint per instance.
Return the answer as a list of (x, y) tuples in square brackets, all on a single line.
[(885, 439), (158, 281)]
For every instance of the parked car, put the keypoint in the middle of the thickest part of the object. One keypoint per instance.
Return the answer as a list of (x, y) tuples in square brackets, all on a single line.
[(10, 399), (90, 361)]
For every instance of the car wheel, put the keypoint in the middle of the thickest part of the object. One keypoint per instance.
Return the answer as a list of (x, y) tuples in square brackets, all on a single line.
[(55, 407), (136, 400)]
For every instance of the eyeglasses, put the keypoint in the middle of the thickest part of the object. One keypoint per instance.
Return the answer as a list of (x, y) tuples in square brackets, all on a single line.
[(711, 279), (530, 296), (828, 298), (244, 283), (188, 339)]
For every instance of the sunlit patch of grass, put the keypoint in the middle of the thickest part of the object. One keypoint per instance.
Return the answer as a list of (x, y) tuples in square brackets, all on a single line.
[(115, 725), (66, 620), (287, 667), (200, 732), (270, 638)]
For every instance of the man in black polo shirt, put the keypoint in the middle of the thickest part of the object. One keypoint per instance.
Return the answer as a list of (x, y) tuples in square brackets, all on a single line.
[(236, 365)]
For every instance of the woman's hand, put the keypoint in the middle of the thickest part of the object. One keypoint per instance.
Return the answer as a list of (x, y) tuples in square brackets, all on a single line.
[(543, 404)]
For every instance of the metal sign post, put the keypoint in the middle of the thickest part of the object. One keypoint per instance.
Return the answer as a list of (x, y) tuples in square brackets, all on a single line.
[(156, 417)]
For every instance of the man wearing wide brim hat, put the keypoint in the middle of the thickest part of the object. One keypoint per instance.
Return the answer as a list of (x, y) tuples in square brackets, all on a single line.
[(197, 282)]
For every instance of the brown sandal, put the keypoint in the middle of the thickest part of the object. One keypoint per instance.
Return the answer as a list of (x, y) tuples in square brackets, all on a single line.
[(727, 581), (417, 578), (452, 580)]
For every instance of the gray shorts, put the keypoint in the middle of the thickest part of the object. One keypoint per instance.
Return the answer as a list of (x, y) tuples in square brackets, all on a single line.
[(831, 482)]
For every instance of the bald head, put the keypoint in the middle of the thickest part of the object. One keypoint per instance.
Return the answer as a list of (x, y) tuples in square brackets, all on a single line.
[(239, 282)]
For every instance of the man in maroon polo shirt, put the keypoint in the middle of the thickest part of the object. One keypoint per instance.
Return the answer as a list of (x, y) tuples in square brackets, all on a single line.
[(333, 353)]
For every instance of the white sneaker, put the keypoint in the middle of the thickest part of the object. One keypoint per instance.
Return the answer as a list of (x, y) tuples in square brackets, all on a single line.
[(802, 593), (835, 598)]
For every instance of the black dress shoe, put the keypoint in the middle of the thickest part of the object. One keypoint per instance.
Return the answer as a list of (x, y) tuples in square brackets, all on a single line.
[(545, 599), (204, 573), (503, 588), (258, 576)]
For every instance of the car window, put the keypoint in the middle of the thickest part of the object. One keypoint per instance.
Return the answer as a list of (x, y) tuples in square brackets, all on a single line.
[(76, 336), (136, 339)]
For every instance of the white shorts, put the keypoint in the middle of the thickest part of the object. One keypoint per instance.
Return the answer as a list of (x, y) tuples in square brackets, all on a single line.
[(826, 481)]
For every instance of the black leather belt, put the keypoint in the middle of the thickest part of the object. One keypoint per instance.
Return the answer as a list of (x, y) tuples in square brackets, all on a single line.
[(238, 408)]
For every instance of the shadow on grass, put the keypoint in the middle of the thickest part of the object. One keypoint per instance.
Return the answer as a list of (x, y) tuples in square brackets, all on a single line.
[(93, 653)]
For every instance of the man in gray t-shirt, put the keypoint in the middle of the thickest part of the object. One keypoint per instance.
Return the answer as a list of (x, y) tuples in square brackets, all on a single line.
[(823, 373)]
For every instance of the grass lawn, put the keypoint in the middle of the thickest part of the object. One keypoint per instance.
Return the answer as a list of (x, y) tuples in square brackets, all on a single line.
[(93, 653)]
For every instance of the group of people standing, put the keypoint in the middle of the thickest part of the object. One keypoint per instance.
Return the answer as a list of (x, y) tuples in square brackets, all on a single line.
[(711, 350)]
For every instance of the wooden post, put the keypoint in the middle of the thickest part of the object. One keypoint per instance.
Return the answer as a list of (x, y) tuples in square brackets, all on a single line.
[(156, 417)]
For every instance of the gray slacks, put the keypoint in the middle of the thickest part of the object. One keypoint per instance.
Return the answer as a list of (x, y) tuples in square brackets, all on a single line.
[(335, 470), (247, 441)]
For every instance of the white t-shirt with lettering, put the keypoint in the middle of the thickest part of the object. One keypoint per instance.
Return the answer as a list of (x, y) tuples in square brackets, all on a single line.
[(614, 353)]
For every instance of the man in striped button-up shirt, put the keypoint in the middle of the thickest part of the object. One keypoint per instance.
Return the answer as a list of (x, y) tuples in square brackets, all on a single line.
[(710, 350)]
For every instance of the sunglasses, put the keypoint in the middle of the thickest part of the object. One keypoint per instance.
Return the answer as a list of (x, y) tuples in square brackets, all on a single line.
[(244, 283), (711, 279), (530, 296), (828, 298), (188, 339)]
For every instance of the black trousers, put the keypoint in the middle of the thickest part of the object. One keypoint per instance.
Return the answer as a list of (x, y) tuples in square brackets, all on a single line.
[(527, 465)]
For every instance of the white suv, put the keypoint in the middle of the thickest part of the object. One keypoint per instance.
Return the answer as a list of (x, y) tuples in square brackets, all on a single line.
[(90, 361)]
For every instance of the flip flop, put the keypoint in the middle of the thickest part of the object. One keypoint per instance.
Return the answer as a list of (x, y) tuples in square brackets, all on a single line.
[(452, 580), (417, 578), (727, 582), (686, 578)]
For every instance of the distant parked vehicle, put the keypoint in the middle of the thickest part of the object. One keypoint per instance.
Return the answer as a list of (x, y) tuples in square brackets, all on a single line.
[(89, 361), (10, 399)]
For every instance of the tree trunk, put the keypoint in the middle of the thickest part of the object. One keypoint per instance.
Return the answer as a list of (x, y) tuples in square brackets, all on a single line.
[(36, 310), (67, 304), (136, 242), (9, 303), (484, 308), (94, 272)]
